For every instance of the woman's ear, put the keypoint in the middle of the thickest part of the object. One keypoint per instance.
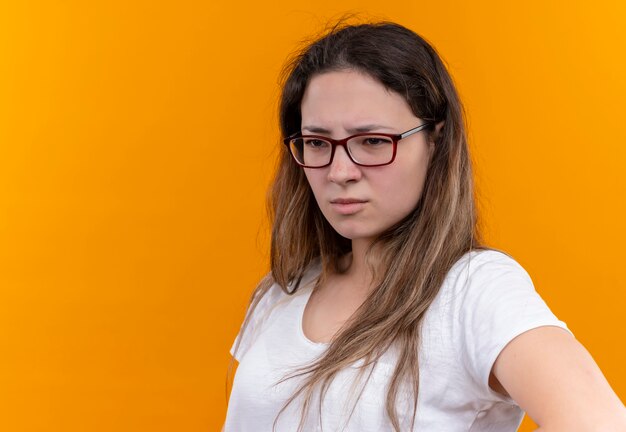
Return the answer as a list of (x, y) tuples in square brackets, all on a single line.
[(438, 128), (434, 136)]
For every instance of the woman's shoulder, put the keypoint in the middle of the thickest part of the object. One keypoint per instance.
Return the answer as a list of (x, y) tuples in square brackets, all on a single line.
[(485, 263), (277, 294), (270, 303), (486, 272)]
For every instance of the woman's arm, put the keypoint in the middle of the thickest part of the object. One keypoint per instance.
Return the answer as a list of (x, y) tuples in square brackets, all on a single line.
[(556, 381)]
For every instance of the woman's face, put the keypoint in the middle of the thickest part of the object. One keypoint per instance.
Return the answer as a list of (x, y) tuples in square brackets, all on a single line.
[(362, 202)]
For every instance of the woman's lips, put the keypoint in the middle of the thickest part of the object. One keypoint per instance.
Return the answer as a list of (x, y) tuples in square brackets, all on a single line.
[(347, 206)]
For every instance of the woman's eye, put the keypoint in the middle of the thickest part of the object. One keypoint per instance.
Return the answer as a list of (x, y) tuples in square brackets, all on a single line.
[(375, 141), (315, 143)]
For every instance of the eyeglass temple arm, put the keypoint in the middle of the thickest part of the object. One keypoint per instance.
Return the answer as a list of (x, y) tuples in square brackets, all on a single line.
[(414, 130)]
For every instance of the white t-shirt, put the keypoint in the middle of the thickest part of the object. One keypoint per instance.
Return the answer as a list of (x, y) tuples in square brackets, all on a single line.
[(486, 300)]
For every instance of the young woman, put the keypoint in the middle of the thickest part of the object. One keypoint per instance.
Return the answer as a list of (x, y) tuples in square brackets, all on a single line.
[(382, 310)]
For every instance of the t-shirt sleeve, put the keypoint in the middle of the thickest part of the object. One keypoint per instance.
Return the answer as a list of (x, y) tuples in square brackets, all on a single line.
[(497, 303)]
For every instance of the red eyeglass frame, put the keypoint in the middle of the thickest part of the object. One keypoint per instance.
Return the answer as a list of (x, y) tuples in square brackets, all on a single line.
[(344, 143)]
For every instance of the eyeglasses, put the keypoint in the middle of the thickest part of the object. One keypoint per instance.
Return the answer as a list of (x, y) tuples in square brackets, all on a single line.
[(364, 149)]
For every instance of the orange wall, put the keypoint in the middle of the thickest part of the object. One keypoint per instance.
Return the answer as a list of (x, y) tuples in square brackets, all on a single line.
[(136, 143)]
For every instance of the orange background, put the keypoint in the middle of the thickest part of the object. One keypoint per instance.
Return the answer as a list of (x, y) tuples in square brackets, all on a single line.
[(136, 143)]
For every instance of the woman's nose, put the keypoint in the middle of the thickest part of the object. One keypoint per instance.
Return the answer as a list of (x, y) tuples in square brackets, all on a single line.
[(342, 169)]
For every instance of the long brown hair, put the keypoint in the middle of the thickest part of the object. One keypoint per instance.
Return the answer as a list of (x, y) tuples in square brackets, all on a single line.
[(416, 253)]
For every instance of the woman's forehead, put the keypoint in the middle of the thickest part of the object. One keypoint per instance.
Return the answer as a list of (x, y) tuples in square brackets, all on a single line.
[(350, 100)]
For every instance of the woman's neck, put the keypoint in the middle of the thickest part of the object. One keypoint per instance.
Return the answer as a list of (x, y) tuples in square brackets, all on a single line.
[(356, 267)]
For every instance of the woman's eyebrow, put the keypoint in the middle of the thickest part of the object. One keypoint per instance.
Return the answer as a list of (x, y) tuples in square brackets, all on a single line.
[(359, 129), (315, 129)]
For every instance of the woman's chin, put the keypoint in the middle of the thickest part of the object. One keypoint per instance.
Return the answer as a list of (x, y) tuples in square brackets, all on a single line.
[(355, 233)]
